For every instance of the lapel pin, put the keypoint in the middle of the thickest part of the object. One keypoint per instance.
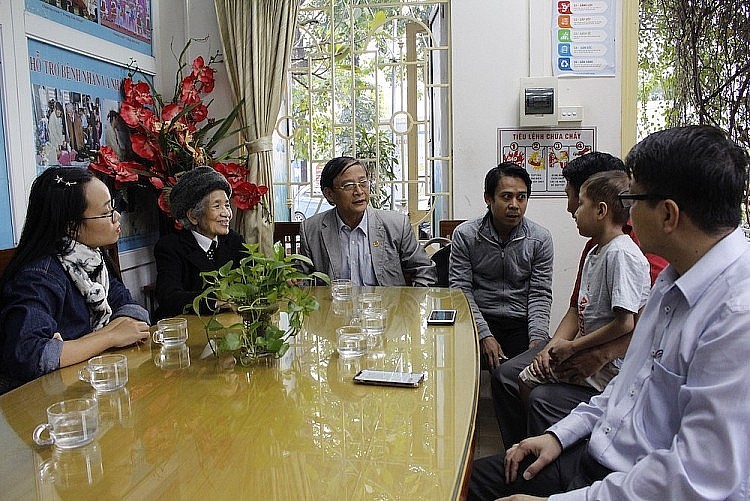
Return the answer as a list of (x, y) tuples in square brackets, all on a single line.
[(376, 243)]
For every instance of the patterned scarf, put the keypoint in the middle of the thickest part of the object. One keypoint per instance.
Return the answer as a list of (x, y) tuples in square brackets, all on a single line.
[(85, 267)]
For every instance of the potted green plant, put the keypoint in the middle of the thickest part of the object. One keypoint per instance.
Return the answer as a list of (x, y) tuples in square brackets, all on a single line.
[(256, 288)]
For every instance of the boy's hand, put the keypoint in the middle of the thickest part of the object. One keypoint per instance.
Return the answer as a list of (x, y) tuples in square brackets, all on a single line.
[(581, 365), (561, 351)]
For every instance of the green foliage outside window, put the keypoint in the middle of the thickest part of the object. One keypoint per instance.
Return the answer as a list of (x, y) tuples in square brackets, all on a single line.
[(694, 66)]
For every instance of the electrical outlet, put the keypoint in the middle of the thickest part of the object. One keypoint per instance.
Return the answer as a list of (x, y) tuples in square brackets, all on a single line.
[(570, 114)]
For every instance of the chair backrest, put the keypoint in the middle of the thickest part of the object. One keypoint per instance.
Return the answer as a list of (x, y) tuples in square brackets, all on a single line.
[(288, 234), (5, 256), (441, 258), (446, 227), (114, 255)]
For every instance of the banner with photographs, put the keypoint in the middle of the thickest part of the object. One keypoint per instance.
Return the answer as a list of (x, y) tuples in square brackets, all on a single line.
[(124, 22), (76, 103)]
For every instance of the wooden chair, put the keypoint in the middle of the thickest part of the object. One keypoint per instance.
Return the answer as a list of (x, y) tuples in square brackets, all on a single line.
[(446, 227), (288, 234), (5, 256)]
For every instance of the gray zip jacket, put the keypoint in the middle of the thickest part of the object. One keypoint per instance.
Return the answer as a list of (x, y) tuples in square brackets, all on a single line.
[(511, 279)]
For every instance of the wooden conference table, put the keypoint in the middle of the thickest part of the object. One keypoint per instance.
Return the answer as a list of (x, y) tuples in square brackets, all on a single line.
[(295, 428)]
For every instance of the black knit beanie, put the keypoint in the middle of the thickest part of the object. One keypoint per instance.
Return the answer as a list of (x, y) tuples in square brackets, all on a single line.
[(192, 186)]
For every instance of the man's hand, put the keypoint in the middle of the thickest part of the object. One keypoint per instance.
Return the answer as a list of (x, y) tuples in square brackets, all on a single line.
[(491, 349), (581, 365), (545, 447), (540, 366)]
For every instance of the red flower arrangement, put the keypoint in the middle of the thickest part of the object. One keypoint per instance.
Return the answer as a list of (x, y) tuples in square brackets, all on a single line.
[(171, 138)]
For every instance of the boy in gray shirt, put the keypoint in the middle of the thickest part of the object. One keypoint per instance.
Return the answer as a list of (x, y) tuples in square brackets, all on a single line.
[(615, 281)]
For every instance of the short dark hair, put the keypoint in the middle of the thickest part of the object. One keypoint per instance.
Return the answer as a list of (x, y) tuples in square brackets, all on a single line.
[(505, 169), (336, 166), (604, 187), (57, 201), (699, 168), (581, 168)]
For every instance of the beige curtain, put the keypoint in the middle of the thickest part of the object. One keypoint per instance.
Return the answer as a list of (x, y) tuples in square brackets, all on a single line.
[(257, 38)]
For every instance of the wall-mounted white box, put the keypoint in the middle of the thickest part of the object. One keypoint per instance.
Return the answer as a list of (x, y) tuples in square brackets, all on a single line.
[(538, 102)]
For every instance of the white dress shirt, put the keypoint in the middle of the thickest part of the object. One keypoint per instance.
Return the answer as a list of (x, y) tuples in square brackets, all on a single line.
[(675, 423), (356, 259), (203, 241)]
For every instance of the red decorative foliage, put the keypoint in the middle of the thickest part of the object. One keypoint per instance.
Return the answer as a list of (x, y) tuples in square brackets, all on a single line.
[(167, 138)]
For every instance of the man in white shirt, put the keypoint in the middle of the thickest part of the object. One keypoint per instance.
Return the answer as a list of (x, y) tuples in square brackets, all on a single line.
[(675, 421)]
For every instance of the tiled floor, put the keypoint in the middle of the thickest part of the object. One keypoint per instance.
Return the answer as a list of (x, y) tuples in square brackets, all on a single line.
[(487, 441)]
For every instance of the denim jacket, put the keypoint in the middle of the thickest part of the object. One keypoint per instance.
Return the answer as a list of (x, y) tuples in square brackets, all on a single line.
[(39, 301)]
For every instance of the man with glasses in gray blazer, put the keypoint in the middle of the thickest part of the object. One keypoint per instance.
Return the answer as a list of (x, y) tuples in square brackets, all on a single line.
[(355, 241)]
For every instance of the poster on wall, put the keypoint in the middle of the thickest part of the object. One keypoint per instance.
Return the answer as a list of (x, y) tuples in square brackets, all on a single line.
[(75, 107), (124, 22), (583, 38), (6, 221), (544, 153)]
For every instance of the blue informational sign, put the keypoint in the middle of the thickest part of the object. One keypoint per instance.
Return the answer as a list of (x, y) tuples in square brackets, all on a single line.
[(124, 22), (75, 107), (583, 36), (6, 221)]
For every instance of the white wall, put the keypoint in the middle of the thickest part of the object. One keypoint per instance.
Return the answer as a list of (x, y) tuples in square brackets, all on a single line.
[(494, 45)]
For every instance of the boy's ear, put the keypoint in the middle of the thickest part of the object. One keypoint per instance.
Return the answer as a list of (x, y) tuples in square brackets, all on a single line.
[(602, 210)]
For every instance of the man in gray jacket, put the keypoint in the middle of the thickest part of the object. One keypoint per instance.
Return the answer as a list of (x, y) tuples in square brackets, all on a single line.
[(503, 263), (355, 241)]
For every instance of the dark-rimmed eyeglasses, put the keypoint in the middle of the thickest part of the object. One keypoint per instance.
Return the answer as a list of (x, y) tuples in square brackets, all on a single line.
[(365, 185), (626, 198), (110, 215)]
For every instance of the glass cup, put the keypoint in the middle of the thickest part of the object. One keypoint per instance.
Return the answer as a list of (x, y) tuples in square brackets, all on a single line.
[(105, 372), (173, 357), (351, 341), (171, 332), (70, 423), (341, 289), (373, 321)]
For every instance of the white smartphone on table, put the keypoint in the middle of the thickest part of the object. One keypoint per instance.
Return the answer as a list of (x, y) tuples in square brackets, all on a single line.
[(389, 378)]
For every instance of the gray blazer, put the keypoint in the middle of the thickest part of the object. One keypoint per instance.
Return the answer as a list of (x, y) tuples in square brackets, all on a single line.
[(396, 254)]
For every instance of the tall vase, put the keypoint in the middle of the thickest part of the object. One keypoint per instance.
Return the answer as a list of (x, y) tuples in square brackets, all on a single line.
[(256, 319)]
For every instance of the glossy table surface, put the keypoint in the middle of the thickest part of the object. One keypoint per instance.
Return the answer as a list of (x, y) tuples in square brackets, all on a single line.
[(293, 428)]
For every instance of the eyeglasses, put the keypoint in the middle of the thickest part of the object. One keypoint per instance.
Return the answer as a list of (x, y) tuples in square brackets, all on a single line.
[(626, 198), (365, 185), (110, 215)]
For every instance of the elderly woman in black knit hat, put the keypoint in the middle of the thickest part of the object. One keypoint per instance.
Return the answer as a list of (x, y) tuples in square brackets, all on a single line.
[(200, 202)]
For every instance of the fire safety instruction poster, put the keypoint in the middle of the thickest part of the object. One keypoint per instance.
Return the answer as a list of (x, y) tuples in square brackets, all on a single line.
[(583, 38), (544, 153)]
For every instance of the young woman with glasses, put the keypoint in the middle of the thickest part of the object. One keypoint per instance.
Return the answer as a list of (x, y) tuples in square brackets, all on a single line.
[(61, 302)]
